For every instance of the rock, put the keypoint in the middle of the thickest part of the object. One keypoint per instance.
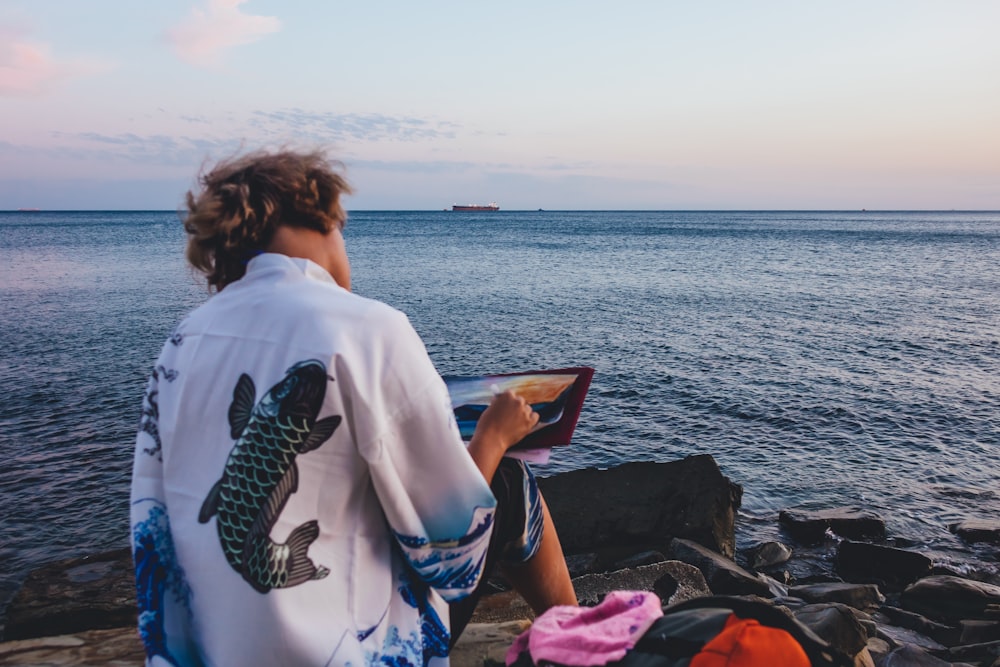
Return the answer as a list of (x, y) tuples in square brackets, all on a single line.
[(859, 596), (119, 647), (891, 568), (580, 564), (501, 608), (671, 580), (945, 634), (810, 527), (897, 636), (878, 648), (835, 623), (977, 530), (776, 589), (812, 564), (864, 659), (644, 505), (90, 593), (481, 642), (978, 632), (951, 599), (640, 559), (724, 576), (866, 621), (985, 652), (911, 656), (768, 555)]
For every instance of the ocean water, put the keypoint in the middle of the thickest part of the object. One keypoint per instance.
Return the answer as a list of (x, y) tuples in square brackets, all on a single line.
[(823, 358)]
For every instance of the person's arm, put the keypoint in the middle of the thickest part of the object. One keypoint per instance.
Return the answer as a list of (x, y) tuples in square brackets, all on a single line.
[(504, 423), (161, 592)]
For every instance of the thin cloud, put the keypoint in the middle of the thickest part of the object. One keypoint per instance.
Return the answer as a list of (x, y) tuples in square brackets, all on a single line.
[(359, 127), (28, 69), (152, 150), (206, 33)]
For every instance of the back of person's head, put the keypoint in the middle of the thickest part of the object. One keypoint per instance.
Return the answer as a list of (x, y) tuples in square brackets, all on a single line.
[(243, 200)]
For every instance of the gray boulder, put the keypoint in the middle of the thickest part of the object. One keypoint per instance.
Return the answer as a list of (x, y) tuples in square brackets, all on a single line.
[(977, 530), (911, 656), (810, 526), (671, 580), (644, 505), (950, 599), (835, 623), (891, 568), (858, 596), (979, 632), (723, 575), (945, 634), (897, 636), (987, 652), (767, 555)]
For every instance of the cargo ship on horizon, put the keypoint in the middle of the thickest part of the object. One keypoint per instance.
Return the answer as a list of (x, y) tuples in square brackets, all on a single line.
[(492, 206)]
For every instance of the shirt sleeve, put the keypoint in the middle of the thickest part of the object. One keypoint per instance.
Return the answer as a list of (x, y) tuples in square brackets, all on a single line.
[(437, 503), (162, 594)]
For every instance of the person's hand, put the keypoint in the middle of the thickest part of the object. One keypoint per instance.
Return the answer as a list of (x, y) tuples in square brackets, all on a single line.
[(507, 420)]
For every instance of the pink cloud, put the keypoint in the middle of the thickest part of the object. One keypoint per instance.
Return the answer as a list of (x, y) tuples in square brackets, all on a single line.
[(27, 69), (207, 32)]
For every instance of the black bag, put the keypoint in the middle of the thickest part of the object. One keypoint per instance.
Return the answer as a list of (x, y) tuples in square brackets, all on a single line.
[(685, 628)]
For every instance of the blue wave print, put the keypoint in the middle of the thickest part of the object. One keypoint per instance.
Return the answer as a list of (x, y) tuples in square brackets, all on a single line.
[(452, 567), (156, 574)]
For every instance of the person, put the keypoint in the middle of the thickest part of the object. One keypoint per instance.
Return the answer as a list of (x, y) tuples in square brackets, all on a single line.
[(300, 492)]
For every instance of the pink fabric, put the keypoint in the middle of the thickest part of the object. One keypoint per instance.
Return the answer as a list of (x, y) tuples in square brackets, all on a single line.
[(589, 636)]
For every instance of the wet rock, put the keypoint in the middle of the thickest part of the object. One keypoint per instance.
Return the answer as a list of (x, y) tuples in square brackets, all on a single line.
[(676, 582), (723, 575), (776, 588), (644, 505), (986, 652), (835, 623), (977, 530), (768, 555), (811, 565), (945, 634), (978, 632), (891, 568), (810, 527), (640, 559), (858, 596), (897, 636), (90, 593), (911, 656), (950, 599)]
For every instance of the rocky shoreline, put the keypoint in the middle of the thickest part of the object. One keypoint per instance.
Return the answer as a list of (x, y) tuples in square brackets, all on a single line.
[(665, 527)]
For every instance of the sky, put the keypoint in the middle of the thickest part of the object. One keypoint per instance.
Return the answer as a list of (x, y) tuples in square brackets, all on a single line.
[(660, 104)]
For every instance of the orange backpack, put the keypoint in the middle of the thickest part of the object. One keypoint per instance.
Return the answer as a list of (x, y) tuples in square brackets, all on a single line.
[(730, 632)]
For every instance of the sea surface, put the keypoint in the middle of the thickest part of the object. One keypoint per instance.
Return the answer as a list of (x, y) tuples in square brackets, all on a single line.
[(823, 358)]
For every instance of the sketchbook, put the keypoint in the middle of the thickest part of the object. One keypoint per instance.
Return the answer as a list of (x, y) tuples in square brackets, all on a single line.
[(556, 395)]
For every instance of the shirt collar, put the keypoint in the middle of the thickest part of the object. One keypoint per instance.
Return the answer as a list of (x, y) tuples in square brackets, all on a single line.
[(269, 261)]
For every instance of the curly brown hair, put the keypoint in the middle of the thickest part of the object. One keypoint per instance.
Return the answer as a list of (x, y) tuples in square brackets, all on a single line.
[(245, 198)]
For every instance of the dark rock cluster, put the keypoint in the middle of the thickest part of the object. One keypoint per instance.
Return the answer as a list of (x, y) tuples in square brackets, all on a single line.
[(881, 604), (669, 528)]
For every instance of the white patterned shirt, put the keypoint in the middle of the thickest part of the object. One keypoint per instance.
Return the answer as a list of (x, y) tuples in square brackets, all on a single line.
[(301, 494)]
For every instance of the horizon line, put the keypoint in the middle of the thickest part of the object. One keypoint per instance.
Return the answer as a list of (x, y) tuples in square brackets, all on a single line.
[(552, 210)]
